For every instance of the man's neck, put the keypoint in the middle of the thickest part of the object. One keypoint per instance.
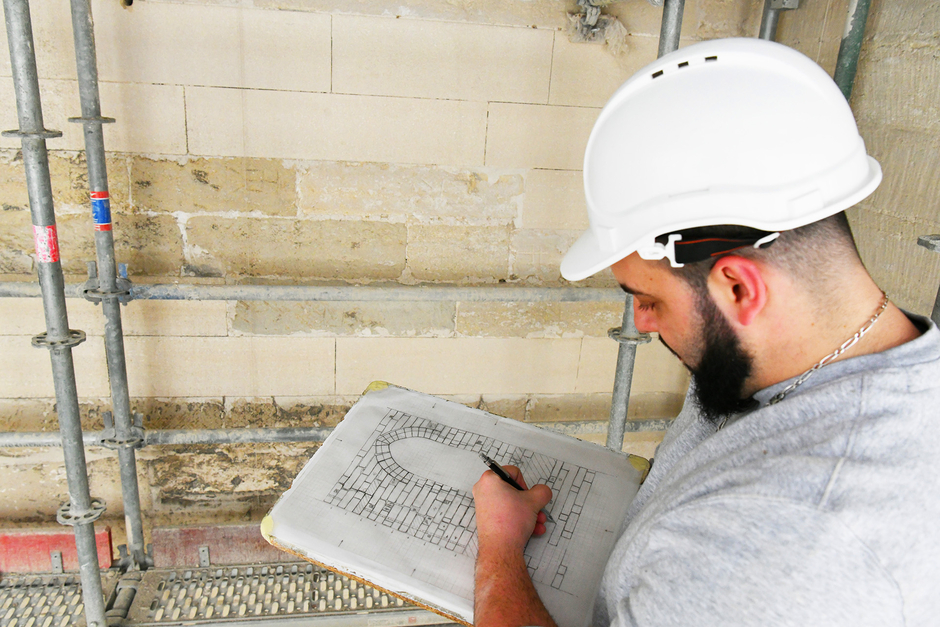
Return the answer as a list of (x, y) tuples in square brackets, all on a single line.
[(793, 340)]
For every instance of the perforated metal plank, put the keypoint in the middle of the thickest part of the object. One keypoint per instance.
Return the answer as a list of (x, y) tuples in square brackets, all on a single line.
[(294, 593), (46, 600)]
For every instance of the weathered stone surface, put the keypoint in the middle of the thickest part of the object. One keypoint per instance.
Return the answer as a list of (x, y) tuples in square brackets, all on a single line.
[(272, 413), (214, 185), (397, 319), (896, 85), (910, 190), (514, 407), (230, 478), (457, 253), (13, 194), (412, 193), (297, 248), (68, 174), (537, 254), (17, 250), (149, 245), (533, 320)]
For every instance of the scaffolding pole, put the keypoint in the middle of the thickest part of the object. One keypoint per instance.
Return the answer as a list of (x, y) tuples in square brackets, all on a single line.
[(103, 285), (81, 511)]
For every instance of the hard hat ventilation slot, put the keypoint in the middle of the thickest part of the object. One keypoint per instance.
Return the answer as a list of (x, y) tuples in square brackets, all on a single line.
[(684, 64), (657, 74), (715, 58)]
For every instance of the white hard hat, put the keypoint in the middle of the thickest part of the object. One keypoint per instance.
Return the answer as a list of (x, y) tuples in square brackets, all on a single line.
[(732, 131)]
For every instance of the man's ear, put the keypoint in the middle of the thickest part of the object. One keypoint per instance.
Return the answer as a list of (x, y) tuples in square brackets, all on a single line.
[(737, 286)]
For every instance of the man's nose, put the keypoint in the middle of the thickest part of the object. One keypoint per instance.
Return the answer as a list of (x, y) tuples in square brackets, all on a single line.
[(644, 319)]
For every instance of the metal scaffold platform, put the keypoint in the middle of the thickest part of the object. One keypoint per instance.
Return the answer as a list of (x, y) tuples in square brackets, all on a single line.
[(293, 593)]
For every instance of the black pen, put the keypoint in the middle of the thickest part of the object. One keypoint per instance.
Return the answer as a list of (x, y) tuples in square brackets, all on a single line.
[(505, 477)]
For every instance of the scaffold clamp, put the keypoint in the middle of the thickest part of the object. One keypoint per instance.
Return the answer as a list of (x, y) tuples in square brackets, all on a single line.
[(75, 338), (617, 335), (64, 515)]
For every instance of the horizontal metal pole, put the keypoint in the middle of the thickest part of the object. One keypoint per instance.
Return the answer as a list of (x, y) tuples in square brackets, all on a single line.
[(287, 434), (346, 293)]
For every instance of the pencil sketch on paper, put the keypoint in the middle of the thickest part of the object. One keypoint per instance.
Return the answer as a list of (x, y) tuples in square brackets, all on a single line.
[(388, 499), (379, 487)]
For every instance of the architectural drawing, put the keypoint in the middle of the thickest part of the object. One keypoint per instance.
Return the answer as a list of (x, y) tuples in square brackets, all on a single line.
[(377, 486)]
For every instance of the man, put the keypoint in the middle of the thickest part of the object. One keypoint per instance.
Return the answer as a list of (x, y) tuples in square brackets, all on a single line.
[(799, 485)]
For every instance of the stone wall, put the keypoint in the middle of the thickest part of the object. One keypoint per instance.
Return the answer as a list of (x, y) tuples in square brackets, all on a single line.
[(307, 141)]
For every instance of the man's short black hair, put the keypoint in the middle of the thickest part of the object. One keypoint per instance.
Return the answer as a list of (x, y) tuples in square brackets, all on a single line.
[(812, 253)]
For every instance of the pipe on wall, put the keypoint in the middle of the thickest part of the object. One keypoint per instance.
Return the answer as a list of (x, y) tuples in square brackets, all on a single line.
[(851, 46)]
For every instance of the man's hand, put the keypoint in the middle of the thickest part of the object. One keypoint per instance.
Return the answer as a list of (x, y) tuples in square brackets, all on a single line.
[(506, 518)]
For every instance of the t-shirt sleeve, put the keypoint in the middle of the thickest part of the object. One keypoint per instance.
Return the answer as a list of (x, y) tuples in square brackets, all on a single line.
[(745, 561)]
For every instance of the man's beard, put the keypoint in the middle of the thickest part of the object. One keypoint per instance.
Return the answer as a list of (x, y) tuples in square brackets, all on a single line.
[(723, 366)]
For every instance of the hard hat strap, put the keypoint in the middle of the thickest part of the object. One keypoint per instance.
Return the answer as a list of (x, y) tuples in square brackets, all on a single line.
[(685, 247)]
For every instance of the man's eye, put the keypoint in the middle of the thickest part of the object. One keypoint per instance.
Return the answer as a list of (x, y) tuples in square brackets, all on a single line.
[(645, 306)]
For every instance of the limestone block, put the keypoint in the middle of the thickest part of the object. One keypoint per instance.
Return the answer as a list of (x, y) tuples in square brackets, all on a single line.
[(554, 199), (530, 14), (267, 413), (206, 45), (458, 253), (656, 369), (28, 372), (59, 102), (568, 407), (897, 85), (149, 118), (17, 250), (458, 365), (514, 407), (534, 136), (149, 245), (297, 248), (214, 185), (13, 195), (23, 316), (225, 478), (232, 366), (537, 320), (428, 59), (909, 19), (334, 127), (585, 75), (910, 187), (395, 319), (29, 414), (410, 193), (537, 254)]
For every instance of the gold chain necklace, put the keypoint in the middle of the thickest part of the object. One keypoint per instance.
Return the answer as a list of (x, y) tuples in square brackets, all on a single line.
[(846, 345)]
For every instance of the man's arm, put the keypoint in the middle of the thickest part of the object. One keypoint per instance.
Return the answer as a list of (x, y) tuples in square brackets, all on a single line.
[(506, 519)]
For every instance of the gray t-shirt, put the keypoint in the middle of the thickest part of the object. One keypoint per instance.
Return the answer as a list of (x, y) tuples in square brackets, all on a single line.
[(820, 510)]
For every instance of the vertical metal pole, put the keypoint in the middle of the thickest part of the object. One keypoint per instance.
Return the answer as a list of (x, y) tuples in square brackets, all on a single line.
[(627, 334), (81, 511), (768, 22), (108, 290), (629, 338), (671, 26), (851, 46)]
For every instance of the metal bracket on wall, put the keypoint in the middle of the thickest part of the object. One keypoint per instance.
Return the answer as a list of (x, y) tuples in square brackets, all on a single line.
[(56, 557), (779, 5)]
